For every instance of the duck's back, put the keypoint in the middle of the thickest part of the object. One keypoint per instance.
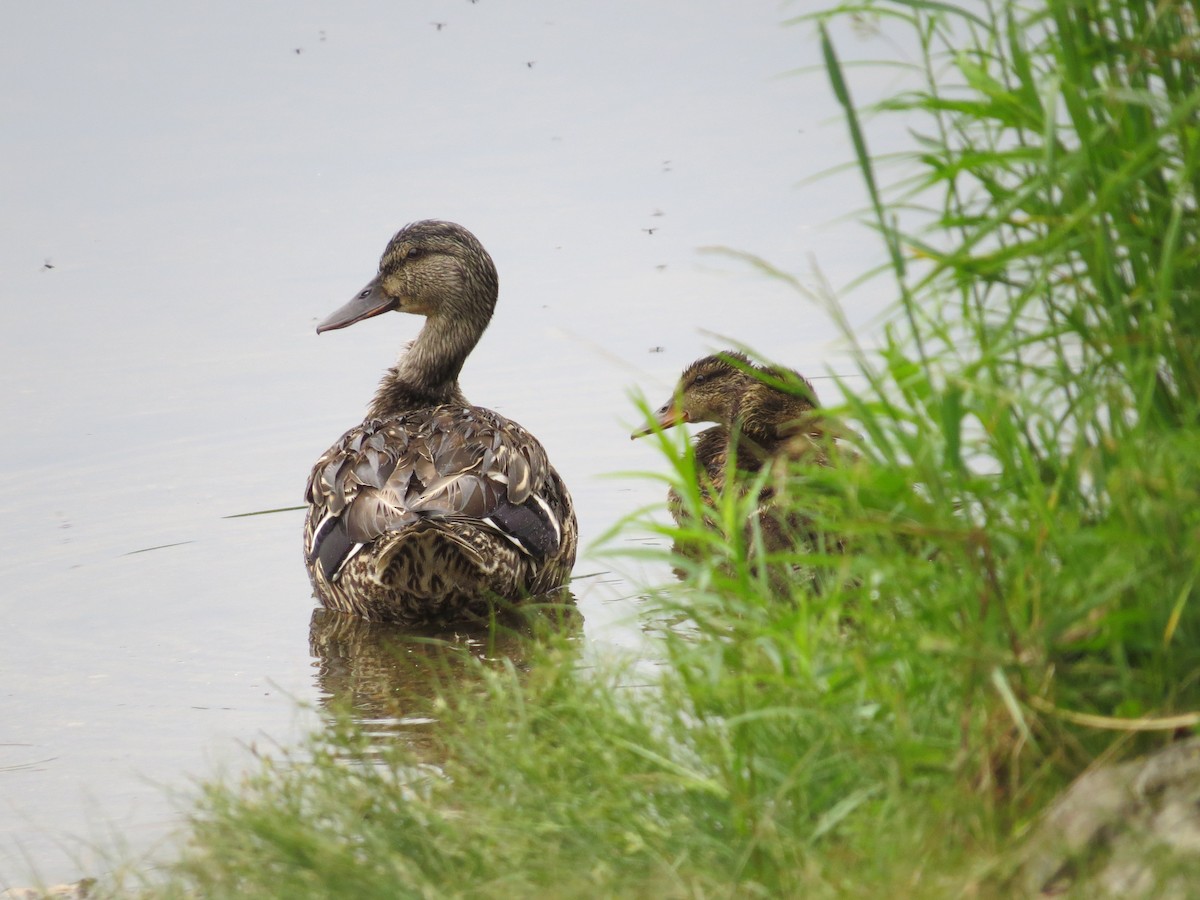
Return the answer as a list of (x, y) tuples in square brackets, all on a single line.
[(430, 516)]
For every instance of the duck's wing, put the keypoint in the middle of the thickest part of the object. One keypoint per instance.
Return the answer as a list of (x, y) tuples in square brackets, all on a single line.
[(464, 463)]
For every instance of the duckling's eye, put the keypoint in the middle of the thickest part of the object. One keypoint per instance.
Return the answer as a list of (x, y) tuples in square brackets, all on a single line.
[(699, 379), (414, 252)]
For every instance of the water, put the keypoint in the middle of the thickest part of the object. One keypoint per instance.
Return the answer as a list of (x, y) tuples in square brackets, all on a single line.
[(188, 190)]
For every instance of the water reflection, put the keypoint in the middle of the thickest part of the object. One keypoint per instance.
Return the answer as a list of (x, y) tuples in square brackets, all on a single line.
[(387, 677)]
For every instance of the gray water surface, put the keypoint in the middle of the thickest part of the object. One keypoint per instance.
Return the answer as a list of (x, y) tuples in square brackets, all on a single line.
[(187, 190)]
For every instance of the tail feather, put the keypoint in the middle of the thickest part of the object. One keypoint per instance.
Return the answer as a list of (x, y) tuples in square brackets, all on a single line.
[(433, 559)]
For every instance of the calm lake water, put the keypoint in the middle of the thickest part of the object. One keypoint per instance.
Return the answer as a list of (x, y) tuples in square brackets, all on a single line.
[(188, 190)]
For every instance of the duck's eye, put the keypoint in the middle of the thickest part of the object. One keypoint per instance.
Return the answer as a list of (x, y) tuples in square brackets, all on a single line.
[(699, 379), (414, 252)]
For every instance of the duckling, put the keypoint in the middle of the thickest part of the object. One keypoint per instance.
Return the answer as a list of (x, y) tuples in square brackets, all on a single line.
[(759, 423), (432, 509)]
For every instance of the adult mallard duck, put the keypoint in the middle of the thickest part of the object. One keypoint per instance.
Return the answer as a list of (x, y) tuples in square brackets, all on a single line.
[(432, 509), (765, 417)]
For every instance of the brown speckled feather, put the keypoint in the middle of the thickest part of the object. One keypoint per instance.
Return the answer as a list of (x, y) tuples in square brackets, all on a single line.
[(437, 510)]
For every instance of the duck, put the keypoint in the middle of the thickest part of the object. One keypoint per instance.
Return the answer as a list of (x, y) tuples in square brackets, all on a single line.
[(765, 417), (433, 511)]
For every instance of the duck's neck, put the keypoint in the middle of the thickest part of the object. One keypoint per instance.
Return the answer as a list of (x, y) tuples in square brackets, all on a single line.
[(752, 446), (770, 417), (427, 372)]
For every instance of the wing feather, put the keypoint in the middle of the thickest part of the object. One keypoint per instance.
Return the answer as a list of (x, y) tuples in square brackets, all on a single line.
[(465, 463)]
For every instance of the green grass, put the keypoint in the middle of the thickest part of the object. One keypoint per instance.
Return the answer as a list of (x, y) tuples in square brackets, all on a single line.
[(1016, 599)]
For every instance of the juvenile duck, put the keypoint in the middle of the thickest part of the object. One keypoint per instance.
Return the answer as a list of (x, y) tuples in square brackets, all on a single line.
[(758, 422), (432, 509)]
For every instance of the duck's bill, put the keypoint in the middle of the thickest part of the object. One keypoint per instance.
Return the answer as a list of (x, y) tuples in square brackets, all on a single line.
[(370, 301), (667, 417)]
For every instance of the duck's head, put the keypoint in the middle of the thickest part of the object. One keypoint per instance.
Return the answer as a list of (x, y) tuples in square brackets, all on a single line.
[(430, 268), (709, 390)]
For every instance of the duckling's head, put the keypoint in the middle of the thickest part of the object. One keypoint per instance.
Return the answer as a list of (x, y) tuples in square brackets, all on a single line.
[(430, 268), (709, 390)]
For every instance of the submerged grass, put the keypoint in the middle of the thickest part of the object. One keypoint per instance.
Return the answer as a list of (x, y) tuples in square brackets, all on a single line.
[(1007, 588)]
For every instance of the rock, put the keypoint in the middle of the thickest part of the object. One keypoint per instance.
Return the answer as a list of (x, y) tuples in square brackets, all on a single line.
[(1126, 830), (79, 890)]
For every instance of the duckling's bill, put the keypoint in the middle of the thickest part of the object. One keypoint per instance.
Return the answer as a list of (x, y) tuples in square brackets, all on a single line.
[(667, 416), (370, 301)]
